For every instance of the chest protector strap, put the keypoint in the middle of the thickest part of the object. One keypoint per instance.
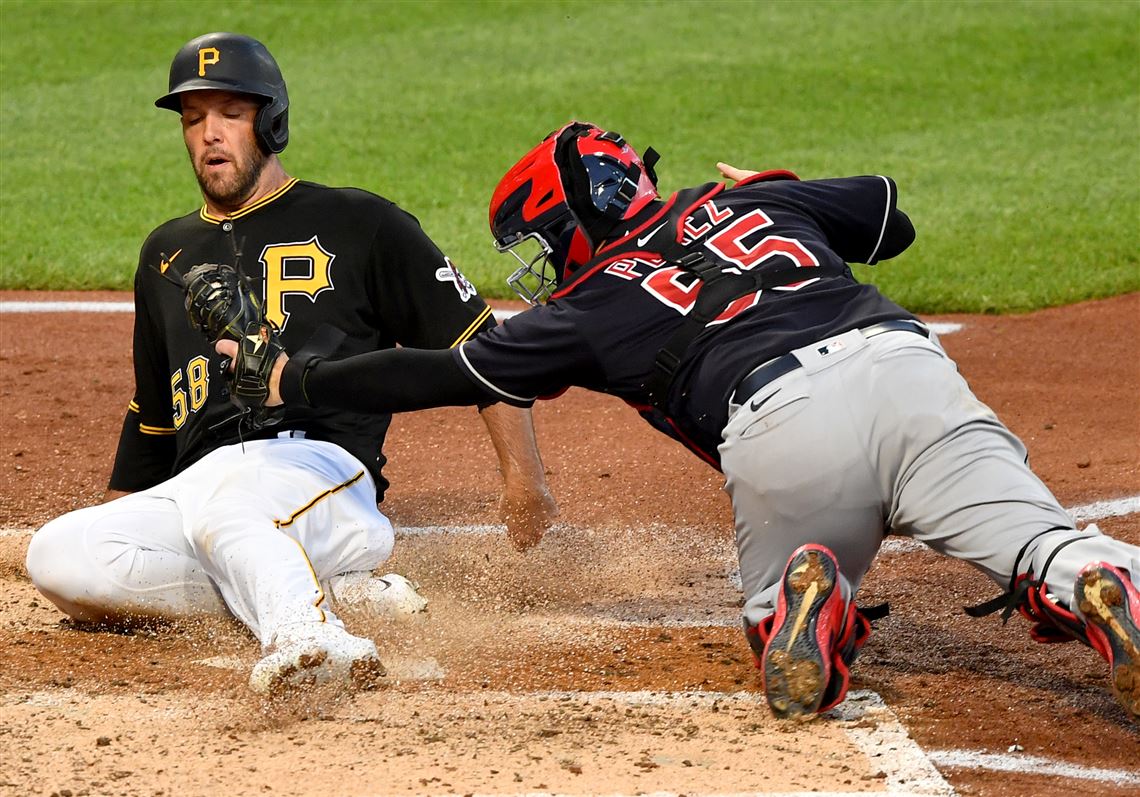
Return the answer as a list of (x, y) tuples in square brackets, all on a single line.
[(721, 285)]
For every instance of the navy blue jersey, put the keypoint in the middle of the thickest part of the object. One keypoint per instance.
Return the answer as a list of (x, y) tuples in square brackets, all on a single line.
[(602, 329), (316, 255)]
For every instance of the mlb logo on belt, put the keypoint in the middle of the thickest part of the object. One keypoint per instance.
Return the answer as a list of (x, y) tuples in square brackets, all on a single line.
[(831, 347)]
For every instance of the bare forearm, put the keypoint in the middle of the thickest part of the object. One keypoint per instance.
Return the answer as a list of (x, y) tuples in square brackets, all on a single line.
[(512, 433), (527, 506)]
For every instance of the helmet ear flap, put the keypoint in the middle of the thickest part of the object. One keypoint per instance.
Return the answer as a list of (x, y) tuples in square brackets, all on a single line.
[(271, 126)]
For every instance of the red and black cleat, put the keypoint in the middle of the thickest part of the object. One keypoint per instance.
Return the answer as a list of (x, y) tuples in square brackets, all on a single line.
[(1110, 604), (811, 638)]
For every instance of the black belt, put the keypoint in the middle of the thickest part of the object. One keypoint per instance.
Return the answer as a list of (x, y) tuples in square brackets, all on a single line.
[(786, 363)]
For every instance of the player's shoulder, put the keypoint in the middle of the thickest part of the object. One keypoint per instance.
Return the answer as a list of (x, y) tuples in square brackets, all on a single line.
[(358, 207), (172, 231), (822, 197), (346, 199), (178, 224), (792, 185)]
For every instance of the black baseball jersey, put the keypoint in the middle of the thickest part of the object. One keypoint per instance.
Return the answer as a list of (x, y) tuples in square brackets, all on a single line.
[(316, 255), (603, 328)]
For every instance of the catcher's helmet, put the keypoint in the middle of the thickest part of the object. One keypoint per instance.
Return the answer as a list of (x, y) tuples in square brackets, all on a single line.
[(566, 195), (232, 62)]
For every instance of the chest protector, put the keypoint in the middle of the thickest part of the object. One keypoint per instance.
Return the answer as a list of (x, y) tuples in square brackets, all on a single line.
[(721, 283)]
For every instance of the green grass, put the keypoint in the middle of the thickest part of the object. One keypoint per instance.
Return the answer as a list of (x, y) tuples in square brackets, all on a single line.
[(1011, 128)]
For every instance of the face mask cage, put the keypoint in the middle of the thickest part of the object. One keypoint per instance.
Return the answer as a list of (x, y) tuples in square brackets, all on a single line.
[(537, 276)]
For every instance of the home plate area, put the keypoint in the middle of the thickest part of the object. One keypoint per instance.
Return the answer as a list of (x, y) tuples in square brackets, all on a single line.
[(603, 663)]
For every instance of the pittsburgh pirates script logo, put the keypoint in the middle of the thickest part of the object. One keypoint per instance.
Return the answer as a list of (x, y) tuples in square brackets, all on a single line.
[(451, 274), (292, 269)]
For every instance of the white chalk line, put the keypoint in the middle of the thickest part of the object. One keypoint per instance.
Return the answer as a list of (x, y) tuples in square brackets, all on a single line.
[(1002, 762), (1098, 510), (885, 742), (884, 739), (939, 327), (66, 307), (115, 307)]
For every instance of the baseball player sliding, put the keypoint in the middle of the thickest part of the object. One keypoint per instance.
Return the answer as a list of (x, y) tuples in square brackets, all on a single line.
[(729, 319), (269, 516)]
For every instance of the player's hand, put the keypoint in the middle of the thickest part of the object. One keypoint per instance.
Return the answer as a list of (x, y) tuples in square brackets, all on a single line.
[(733, 173), (229, 350), (528, 510)]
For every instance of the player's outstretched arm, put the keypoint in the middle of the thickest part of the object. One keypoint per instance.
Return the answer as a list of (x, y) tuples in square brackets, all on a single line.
[(526, 506), (399, 380)]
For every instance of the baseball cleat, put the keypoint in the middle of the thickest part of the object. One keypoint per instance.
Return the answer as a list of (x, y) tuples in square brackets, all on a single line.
[(797, 661), (311, 654), (390, 595), (1110, 604)]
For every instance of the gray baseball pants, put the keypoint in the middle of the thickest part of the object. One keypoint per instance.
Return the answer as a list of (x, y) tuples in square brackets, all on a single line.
[(882, 435)]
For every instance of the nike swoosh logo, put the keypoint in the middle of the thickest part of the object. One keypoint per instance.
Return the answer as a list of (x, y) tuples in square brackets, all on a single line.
[(755, 405), (165, 264), (644, 239)]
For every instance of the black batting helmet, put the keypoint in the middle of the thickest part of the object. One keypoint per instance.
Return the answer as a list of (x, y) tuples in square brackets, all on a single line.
[(233, 62)]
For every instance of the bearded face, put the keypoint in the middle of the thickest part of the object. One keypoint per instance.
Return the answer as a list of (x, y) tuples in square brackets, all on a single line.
[(218, 127)]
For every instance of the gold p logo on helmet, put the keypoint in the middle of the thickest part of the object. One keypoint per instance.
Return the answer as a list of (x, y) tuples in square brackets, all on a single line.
[(207, 56)]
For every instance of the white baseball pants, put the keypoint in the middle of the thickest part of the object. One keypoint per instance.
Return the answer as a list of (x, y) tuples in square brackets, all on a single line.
[(255, 530)]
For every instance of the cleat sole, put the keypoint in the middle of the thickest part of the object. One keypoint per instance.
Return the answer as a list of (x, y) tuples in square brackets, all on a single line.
[(1103, 601), (796, 672)]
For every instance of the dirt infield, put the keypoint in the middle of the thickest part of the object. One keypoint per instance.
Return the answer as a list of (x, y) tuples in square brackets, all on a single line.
[(606, 661)]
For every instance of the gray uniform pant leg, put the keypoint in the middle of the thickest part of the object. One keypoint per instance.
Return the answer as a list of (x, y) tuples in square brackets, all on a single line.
[(882, 435)]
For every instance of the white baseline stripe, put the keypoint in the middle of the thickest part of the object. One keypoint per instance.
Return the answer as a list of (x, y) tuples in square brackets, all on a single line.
[(1000, 762), (1098, 510), (885, 741), (115, 307), (940, 328), (67, 307), (1117, 507)]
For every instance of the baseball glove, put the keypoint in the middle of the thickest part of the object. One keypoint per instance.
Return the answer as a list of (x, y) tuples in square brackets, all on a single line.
[(221, 304)]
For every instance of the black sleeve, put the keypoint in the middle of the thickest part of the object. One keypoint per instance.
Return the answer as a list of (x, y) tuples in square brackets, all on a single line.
[(859, 215), (420, 295), (147, 447), (386, 381), (141, 460)]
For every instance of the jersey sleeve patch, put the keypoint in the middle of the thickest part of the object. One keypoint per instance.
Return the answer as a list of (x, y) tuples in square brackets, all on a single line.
[(450, 273)]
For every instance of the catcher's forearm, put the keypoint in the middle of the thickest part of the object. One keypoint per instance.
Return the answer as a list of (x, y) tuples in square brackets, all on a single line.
[(391, 380)]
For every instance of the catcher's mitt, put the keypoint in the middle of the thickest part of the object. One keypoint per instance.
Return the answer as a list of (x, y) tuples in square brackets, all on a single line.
[(221, 304)]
